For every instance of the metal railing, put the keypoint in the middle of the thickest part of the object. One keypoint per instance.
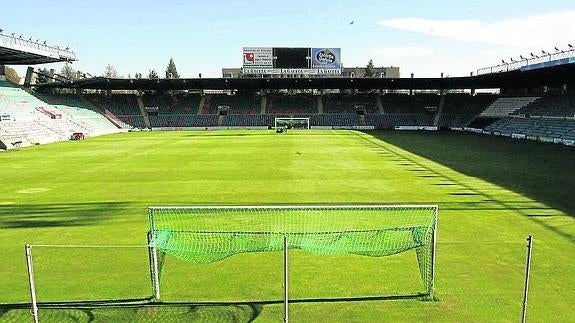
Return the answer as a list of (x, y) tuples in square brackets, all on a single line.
[(516, 65), (19, 43)]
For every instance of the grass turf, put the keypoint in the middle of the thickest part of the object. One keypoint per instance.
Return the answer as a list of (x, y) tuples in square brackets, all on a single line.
[(492, 193)]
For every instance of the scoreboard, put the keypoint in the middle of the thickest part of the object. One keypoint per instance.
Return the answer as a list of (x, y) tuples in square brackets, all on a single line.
[(291, 60)]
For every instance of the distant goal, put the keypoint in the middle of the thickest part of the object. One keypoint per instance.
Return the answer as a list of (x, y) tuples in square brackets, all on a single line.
[(291, 123)]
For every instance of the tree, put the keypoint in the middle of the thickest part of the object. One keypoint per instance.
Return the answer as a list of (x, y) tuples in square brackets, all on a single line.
[(68, 72), (369, 69), (110, 71), (42, 76), (171, 70), (138, 75), (153, 74), (12, 75)]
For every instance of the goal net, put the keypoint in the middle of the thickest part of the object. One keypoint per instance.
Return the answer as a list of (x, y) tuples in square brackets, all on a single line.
[(291, 123), (207, 234)]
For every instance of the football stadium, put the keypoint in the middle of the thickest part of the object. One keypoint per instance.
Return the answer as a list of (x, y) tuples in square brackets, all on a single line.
[(291, 188)]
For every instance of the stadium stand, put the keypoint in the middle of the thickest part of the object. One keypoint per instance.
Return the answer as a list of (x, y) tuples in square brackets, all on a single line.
[(460, 109), (559, 106), (388, 121), (503, 107), (548, 118), (537, 127), (173, 104), (338, 109), (333, 119), (248, 120), (342, 103), (178, 110), (408, 104), (28, 120), (122, 106), (292, 104), (243, 103)]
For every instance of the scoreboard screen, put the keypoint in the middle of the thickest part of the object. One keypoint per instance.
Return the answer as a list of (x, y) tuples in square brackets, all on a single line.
[(291, 60), (291, 57)]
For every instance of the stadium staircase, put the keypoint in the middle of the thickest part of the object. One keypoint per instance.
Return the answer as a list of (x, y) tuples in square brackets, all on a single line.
[(263, 104), (439, 110), (379, 105), (202, 104), (143, 112)]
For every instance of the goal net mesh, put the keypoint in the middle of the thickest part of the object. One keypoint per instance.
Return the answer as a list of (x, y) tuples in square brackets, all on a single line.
[(202, 235)]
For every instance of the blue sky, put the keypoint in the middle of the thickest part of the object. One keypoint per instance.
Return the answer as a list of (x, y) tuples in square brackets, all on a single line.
[(423, 37)]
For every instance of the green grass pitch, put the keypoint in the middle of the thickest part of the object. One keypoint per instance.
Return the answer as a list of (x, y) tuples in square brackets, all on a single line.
[(492, 193)]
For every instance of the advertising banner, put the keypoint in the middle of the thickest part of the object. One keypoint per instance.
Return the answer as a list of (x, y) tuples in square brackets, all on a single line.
[(258, 57), (290, 71), (557, 62), (545, 139), (518, 136), (326, 58)]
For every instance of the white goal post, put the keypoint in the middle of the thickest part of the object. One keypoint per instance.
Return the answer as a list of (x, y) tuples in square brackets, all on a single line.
[(291, 123), (100, 271)]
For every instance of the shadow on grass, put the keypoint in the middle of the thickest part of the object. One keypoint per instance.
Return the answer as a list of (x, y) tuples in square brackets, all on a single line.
[(139, 310), (58, 215), (148, 312), (542, 172)]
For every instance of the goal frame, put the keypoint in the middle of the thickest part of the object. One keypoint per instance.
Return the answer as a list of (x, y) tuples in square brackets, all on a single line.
[(290, 119), (154, 251)]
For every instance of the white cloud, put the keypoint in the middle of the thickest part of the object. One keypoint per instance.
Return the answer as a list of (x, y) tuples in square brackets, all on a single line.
[(530, 32)]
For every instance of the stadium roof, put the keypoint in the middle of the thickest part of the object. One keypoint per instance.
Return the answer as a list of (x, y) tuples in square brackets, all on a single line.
[(20, 51), (551, 76)]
